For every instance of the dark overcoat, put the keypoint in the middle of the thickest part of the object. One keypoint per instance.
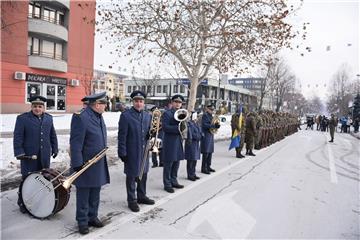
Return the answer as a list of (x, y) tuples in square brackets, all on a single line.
[(192, 144), (34, 136), (87, 138), (207, 141), (133, 127), (172, 141)]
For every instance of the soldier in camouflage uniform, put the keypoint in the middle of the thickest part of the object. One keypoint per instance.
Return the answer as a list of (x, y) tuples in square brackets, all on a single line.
[(250, 127)]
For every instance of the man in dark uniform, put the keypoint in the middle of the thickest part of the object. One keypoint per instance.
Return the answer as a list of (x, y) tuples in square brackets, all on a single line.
[(192, 147), (332, 126), (154, 155), (87, 138), (34, 140), (133, 136), (207, 140), (173, 150)]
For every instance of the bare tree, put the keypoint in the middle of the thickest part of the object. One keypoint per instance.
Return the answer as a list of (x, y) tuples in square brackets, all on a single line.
[(341, 91), (282, 81), (196, 34)]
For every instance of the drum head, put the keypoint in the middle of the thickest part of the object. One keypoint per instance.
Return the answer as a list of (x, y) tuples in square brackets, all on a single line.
[(38, 195)]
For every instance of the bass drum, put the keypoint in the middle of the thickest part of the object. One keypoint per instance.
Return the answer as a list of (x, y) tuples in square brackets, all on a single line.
[(41, 197)]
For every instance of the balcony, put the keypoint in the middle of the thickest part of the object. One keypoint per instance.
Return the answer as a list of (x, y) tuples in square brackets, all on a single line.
[(47, 61), (48, 27)]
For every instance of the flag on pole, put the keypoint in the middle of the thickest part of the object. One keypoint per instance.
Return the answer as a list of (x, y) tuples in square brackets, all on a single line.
[(236, 138)]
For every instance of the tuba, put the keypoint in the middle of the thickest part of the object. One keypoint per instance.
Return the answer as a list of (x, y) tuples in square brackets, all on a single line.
[(182, 115)]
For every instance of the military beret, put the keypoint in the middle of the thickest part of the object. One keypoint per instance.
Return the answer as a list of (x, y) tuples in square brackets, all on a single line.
[(98, 97), (137, 94), (178, 98), (37, 100)]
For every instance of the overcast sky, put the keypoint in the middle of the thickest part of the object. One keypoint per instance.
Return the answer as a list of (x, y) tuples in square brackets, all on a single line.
[(333, 23)]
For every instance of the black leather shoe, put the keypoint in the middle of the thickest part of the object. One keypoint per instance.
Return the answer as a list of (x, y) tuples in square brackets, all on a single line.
[(161, 165), (178, 186), (211, 170), (192, 178), (169, 189), (22, 209), (134, 206), (154, 166), (196, 177), (251, 154), (205, 172), (146, 201), (96, 223), (84, 229)]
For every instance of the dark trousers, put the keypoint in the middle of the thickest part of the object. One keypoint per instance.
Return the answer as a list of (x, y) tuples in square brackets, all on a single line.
[(132, 185), (191, 168), (87, 204), (154, 159), (170, 173), (206, 162), (20, 200)]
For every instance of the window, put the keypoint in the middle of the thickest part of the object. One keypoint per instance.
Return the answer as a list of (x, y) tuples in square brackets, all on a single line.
[(143, 88), (32, 89), (36, 46), (36, 11), (158, 89), (134, 88), (165, 88), (58, 51), (49, 15), (47, 48), (60, 19), (129, 89), (175, 90), (148, 91), (182, 89), (31, 6)]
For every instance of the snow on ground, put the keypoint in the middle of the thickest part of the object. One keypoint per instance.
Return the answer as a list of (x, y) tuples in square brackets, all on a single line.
[(9, 165), (61, 121)]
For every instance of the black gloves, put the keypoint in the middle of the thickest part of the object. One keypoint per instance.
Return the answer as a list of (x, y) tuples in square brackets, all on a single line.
[(124, 159), (76, 169), (22, 157), (54, 155)]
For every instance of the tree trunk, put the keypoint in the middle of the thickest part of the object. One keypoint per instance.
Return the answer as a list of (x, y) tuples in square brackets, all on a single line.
[(192, 95)]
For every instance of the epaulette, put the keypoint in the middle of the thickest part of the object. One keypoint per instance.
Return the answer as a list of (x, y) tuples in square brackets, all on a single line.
[(79, 112)]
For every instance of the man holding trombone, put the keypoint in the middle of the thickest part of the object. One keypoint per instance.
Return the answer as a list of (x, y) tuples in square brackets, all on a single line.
[(133, 147), (87, 138)]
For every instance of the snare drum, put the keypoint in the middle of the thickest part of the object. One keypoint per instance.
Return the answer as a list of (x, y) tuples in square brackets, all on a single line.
[(42, 193)]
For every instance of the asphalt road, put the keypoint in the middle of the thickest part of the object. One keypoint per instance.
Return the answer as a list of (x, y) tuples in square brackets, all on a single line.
[(300, 187)]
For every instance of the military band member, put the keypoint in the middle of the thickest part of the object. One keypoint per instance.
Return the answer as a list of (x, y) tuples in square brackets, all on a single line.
[(173, 150), (207, 140), (192, 147), (87, 138), (133, 135), (154, 155), (34, 140)]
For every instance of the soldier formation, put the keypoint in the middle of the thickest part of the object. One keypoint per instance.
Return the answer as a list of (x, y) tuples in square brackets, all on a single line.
[(259, 130)]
